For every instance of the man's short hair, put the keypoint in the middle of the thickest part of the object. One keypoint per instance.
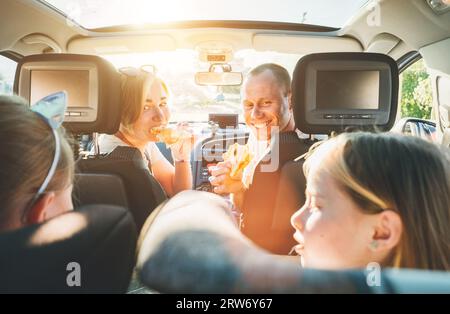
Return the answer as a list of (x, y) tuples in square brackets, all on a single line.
[(280, 73)]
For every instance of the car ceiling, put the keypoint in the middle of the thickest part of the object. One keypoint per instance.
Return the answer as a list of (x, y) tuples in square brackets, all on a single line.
[(30, 27)]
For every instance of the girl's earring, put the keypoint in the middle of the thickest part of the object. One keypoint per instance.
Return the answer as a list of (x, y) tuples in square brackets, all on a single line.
[(373, 245)]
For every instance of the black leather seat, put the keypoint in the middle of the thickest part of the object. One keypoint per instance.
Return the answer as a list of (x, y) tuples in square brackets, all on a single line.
[(265, 223), (121, 177), (113, 189), (101, 239)]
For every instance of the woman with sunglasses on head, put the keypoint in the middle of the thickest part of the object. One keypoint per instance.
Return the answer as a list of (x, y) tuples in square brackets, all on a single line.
[(37, 165), (145, 109)]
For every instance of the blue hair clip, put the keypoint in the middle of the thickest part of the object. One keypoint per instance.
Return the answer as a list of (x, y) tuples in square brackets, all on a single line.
[(52, 110)]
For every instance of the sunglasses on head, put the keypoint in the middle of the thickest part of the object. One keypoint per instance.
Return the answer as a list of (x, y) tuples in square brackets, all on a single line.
[(132, 71)]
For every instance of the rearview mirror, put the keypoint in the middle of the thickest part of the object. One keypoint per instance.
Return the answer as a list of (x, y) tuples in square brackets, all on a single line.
[(218, 78)]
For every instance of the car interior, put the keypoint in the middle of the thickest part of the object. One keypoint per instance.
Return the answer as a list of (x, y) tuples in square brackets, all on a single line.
[(358, 63)]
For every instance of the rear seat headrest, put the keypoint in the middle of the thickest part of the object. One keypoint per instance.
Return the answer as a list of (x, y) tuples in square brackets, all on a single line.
[(339, 91), (97, 109)]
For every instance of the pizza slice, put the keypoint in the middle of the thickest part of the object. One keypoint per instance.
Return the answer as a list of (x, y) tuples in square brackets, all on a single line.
[(239, 156), (169, 135)]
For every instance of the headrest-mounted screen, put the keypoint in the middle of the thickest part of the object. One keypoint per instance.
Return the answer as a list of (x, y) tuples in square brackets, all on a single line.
[(334, 91), (92, 85), (74, 82)]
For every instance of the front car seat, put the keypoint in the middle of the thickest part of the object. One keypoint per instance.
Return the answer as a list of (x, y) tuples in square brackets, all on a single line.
[(259, 206), (101, 114), (291, 189)]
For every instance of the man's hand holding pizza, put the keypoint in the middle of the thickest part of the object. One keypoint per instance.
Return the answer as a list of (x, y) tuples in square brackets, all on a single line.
[(227, 176)]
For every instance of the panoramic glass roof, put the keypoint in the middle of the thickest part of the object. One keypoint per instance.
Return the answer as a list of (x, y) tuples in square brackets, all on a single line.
[(93, 14)]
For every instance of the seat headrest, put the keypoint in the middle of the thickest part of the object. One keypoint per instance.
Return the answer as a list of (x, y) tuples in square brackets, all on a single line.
[(100, 239), (91, 82), (338, 91)]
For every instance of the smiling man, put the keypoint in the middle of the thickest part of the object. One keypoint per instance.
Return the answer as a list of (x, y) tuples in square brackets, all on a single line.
[(267, 101), (273, 140)]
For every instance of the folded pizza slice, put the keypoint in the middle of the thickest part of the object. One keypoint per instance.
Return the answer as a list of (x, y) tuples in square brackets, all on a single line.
[(239, 157), (170, 135)]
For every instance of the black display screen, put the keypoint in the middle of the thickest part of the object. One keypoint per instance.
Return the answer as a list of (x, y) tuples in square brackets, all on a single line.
[(347, 89)]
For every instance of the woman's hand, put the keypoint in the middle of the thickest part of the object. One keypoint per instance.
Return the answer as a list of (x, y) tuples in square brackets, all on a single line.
[(181, 150), (222, 181)]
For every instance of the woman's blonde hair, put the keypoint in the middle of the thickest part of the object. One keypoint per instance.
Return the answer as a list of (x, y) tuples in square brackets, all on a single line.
[(404, 174), (134, 93), (27, 149)]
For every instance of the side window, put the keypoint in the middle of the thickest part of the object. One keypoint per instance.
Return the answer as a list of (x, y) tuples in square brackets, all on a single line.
[(416, 95), (7, 73)]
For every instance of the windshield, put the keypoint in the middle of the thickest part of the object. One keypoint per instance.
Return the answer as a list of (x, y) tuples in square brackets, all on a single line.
[(93, 14), (189, 101)]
